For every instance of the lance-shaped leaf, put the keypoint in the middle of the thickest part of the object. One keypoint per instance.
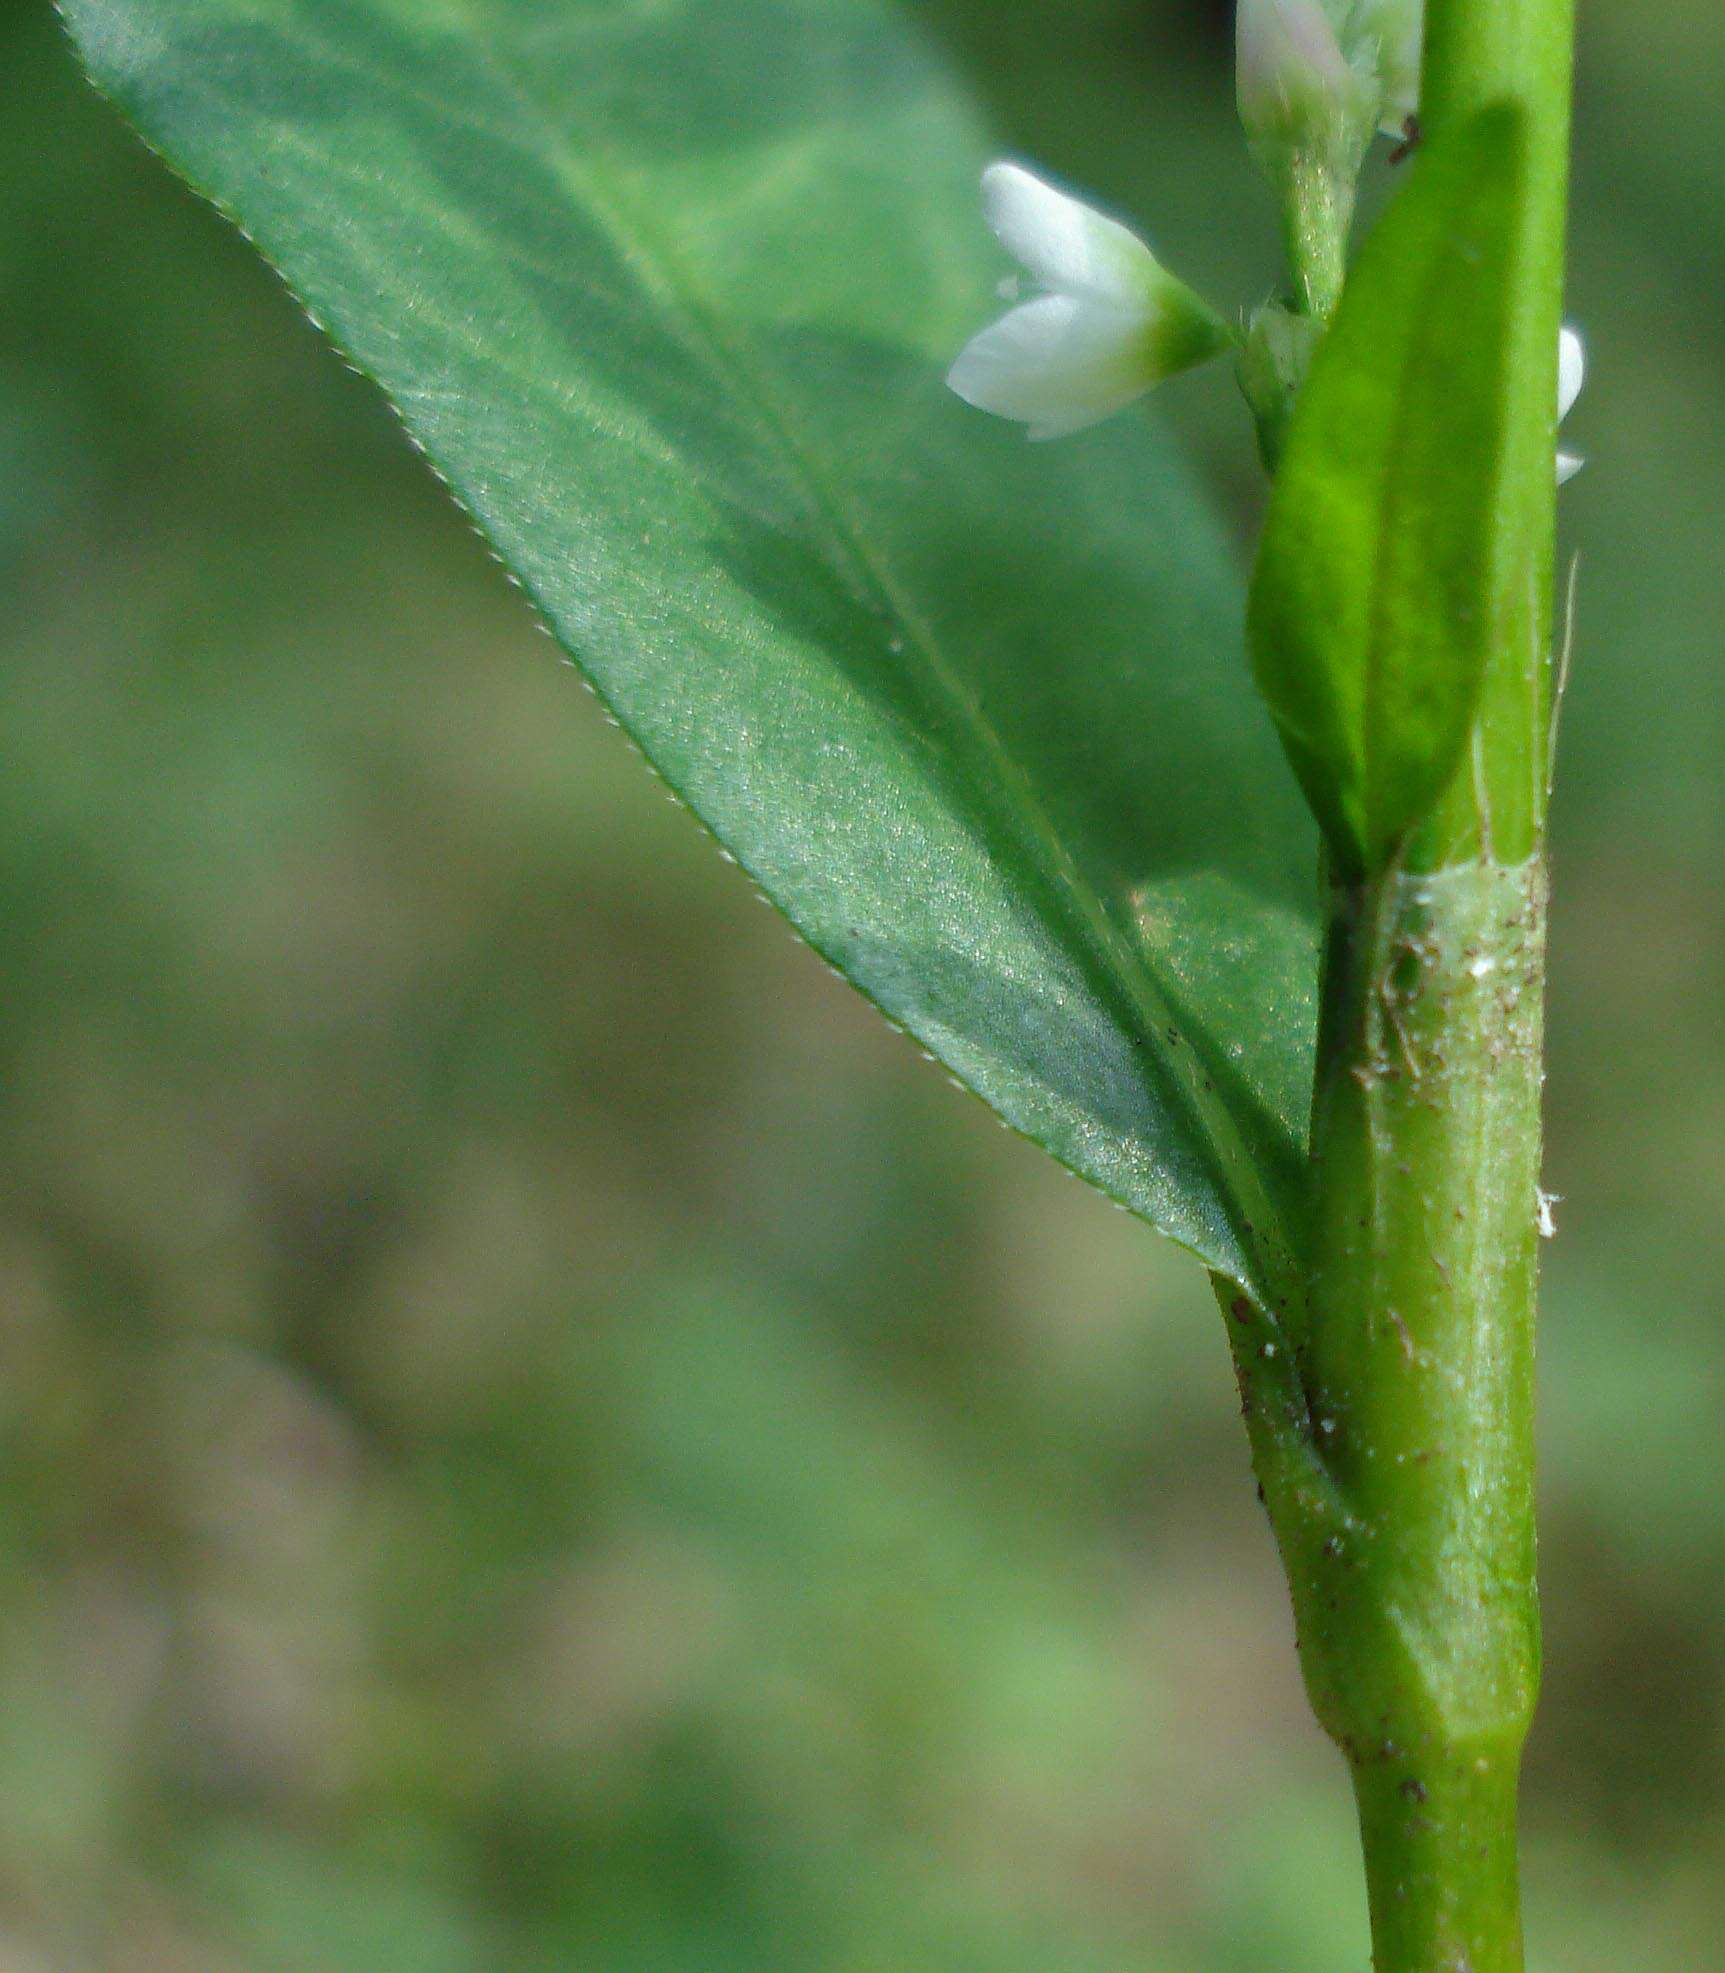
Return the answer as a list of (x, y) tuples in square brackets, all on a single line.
[(1374, 602), (666, 292)]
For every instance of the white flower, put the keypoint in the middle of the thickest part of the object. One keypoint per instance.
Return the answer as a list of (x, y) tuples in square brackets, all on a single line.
[(1571, 372), (1111, 322)]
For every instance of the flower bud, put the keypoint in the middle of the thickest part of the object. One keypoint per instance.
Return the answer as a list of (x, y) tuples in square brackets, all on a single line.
[(1297, 90), (1389, 37)]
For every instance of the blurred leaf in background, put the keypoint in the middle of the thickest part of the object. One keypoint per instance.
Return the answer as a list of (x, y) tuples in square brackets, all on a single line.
[(533, 1432)]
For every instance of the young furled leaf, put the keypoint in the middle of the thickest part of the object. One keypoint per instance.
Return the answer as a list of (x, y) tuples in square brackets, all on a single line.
[(1374, 602)]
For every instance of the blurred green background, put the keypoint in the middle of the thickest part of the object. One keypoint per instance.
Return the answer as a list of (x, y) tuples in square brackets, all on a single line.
[(534, 1433)]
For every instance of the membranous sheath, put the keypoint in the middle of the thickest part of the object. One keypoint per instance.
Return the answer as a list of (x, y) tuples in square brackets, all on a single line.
[(1419, 1626)]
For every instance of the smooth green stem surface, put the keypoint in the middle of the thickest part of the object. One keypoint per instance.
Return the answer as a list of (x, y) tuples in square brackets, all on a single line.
[(1440, 1865)]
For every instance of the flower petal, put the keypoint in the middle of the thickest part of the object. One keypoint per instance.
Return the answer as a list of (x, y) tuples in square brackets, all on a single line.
[(1571, 369), (1568, 465), (1069, 247), (1057, 364)]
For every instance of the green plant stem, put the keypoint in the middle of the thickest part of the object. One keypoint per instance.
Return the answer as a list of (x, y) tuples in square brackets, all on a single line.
[(1441, 1867), (1411, 1560), (1419, 1622)]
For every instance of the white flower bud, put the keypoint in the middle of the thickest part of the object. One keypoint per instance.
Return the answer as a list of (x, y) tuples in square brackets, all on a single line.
[(1111, 322), (1296, 87)]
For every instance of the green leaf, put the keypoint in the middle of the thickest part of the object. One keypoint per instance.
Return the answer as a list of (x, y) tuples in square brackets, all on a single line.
[(1374, 600), (665, 291)]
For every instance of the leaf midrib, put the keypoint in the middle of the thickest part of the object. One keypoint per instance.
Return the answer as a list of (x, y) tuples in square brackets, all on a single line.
[(1115, 969)]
